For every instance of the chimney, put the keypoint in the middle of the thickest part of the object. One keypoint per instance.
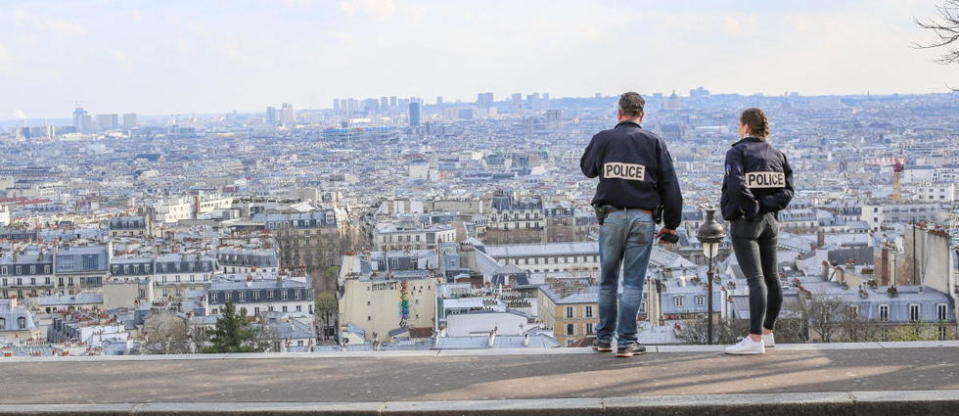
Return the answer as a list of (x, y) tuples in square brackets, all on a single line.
[(13, 302)]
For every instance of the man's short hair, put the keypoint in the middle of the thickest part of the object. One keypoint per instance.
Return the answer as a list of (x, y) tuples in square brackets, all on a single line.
[(632, 104)]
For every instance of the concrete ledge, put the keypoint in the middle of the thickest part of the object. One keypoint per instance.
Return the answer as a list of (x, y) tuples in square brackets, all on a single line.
[(892, 403), (463, 353), (780, 404)]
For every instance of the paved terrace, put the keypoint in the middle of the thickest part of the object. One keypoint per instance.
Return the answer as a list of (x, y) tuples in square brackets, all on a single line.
[(869, 378)]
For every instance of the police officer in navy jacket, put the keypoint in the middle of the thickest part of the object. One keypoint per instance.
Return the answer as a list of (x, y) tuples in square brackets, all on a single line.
[(757, 185), (636, 181)]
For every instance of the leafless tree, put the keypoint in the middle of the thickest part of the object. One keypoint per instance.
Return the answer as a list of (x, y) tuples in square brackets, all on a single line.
[(166, 333), (825, 312), (946, 29), (856, 329), (788, 331)]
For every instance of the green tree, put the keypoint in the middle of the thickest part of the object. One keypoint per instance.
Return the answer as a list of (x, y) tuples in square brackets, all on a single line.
[(325, 306), (232, 333)]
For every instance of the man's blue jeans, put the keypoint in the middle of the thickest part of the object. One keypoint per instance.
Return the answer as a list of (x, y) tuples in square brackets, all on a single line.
[(625, 240)]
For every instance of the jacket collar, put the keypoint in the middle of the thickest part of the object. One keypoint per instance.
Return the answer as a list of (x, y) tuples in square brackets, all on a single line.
[(752, 139), (628, 123)]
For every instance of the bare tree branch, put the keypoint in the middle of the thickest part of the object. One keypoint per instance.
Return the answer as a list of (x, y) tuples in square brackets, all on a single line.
[(945, 28)]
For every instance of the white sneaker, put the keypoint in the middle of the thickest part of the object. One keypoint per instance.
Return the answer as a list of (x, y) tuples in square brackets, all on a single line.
[(769, 340), (747, 347)]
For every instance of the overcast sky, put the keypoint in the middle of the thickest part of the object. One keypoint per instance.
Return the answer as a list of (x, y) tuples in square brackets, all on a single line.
[(172, 56)]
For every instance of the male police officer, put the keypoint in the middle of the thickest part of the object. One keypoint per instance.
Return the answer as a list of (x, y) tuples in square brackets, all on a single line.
[(636, 180)]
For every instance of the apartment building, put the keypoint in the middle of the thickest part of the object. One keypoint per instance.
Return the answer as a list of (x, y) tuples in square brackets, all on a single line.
[(391, 306), (570, 310)]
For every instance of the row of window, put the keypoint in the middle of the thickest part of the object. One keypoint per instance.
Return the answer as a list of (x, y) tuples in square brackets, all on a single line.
[(256, 310), (555, 260), (571, 329), (21, 323), (519, 225), (47, 281), (26, 269), (680, 301), (257, 295), (915, 312), (587, 312)]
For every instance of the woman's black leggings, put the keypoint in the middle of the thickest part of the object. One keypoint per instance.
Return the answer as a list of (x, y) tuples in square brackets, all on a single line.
[(754, 242)]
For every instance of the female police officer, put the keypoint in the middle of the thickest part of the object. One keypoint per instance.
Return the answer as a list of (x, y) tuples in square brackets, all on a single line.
[(758, 184)]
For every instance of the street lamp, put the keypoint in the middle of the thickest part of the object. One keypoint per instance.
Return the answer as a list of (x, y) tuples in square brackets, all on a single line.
[(710, 234)]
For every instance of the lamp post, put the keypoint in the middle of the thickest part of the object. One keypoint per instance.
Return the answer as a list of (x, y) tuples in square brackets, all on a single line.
[(710, 234)]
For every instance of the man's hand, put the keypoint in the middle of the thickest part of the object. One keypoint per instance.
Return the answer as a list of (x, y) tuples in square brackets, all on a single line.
[(667, 236)]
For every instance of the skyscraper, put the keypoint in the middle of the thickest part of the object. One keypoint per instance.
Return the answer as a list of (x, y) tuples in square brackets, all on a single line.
[(80, 120), (384, 104), (517, 101), (484, 99), (439, 100), (270, 117), (287, 116), (414, 113), (129, 121), (108, 121)]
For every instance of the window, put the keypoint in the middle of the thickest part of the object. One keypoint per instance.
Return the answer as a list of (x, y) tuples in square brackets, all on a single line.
[(943, 333), (3, 270), (589, 328), (570, 329), (942, 313), (569, 312), (853, 311), (589, 311), (22, 323), (284, 309), (299, 308), (883, 313), (700, 300), (679, 301), (3, 323), (914, 313)]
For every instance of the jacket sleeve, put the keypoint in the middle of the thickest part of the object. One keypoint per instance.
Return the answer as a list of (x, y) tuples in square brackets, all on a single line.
[(739, 194), (669, 192), (779, 200), (592, 157)]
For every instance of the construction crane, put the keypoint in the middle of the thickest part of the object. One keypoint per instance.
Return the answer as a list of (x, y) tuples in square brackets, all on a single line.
[(898, 164)]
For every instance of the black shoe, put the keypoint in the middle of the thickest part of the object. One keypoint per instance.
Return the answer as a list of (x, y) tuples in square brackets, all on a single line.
[(602, 346), (630, 350)]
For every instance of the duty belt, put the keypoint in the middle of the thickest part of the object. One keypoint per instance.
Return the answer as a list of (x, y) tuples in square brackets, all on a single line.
[(615, 208)]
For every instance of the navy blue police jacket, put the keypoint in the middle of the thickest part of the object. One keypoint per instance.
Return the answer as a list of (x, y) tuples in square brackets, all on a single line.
[(635, 170), (758, 180)]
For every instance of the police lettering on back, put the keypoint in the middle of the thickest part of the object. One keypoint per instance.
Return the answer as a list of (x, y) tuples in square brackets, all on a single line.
[(628, 171), (765, 180)]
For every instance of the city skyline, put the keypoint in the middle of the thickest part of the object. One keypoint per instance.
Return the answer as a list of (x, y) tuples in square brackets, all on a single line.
[(148, 59)]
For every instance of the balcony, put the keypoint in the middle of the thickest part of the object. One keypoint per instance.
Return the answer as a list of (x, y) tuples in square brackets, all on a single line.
[(838, 379)]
